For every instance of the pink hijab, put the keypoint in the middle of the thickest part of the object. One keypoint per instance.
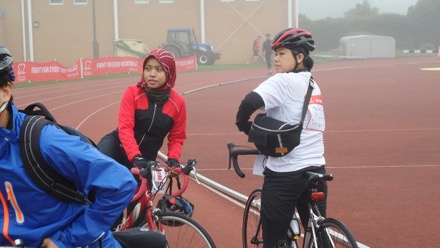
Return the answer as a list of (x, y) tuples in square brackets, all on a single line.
[(168, 64)]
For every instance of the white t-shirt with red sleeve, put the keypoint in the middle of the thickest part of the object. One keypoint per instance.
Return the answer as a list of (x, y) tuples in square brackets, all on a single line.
[(283, 95)]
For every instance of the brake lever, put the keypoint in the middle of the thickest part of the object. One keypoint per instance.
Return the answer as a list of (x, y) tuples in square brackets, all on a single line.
[(191, 166)]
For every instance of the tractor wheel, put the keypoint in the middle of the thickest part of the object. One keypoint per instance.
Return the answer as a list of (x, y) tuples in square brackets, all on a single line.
[(204, 59), (174, 51)]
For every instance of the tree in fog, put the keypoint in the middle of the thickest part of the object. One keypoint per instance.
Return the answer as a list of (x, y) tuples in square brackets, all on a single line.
[(425, 16), (361, 10), (416, 30)]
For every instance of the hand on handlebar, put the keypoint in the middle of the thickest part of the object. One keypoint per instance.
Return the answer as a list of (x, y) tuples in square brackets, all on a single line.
[(140, 162), (172, 162), (153, 167)]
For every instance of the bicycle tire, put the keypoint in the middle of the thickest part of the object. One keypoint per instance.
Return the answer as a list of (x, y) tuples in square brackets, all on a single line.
[(252, 234), (183, 231), (332, 233)]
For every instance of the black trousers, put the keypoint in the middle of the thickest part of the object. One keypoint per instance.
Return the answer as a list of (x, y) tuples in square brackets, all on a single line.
[(281, 193), (268, 57), (111, 146)]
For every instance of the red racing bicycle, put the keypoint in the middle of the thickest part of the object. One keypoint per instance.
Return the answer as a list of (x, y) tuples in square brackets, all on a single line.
[(172, 214)]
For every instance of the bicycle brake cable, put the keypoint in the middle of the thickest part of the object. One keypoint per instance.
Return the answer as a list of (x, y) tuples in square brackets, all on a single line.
[(195, 175)]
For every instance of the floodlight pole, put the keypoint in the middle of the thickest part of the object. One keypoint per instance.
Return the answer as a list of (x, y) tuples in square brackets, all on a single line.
[(296, 14), (95, 42)]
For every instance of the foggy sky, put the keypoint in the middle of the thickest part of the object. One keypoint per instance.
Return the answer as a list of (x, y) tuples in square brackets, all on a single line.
[(320, 9)]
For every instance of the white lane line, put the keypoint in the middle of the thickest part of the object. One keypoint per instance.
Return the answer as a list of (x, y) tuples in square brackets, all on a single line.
[(348, 167), (93, 113)]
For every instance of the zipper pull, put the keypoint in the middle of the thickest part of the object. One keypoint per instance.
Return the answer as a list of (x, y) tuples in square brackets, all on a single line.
[(9, 191)]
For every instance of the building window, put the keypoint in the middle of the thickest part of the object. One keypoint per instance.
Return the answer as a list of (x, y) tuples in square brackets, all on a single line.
[(166, 1), (141, 1), (56, 2), (80, 2)]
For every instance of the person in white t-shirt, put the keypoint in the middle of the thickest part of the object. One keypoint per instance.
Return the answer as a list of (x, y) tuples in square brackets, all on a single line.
[(282, 97)]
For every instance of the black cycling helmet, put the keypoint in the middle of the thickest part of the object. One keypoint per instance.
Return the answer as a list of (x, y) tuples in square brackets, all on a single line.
[(5, 59), (178, 204), (6, 66), (292, 38), (175, 204)]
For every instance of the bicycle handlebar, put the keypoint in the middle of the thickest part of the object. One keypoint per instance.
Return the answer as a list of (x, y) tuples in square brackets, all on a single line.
[(234, 151), (233, 156), (146, 176)]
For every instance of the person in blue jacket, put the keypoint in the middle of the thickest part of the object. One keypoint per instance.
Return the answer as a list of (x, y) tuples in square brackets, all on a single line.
[(40, 220)]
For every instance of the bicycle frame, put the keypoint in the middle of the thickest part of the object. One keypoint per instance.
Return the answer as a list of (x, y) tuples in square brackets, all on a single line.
[(312, 226), (145, 196), (310, 235)]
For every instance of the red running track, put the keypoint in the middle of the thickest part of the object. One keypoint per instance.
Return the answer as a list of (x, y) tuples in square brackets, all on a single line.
[(382, 142)]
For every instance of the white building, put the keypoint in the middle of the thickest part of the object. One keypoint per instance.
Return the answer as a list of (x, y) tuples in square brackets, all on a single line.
[(367, 46)]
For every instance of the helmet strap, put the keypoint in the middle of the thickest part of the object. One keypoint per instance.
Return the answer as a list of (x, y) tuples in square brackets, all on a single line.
[(296, 63), (294, 53), (3, 107), (5, 90)]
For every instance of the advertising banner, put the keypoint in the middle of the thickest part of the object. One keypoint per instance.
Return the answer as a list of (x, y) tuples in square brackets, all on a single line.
[(186, 64), (37, 72), (110, 65), (54, 71)]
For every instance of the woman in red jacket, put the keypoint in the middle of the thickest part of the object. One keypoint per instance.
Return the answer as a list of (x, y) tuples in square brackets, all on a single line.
[(149, 111)]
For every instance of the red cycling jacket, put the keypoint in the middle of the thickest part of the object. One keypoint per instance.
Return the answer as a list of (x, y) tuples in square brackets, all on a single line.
[(143, 125)]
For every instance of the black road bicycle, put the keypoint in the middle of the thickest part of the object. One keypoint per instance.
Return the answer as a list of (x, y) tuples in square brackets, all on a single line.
[(320, 231)]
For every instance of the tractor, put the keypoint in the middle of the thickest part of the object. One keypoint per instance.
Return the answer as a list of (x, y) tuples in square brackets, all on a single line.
[(181, 42)]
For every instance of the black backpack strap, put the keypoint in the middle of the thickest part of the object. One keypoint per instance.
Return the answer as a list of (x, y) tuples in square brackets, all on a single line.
[(307, 99), (41, 111), (73, 131), (36, 167)]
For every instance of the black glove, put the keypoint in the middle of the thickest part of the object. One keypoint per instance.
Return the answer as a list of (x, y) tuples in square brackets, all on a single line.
[(248, 106), (244, 126), (172, 162), (247, 127), (140, 162)]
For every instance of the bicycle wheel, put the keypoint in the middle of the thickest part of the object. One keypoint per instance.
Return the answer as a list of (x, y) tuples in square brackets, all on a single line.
[(252, 234), (332, 233), (182, 231)]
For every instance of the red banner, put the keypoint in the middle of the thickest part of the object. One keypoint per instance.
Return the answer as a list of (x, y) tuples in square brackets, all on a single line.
[(186, 64), (37, 72), (114, 65)]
